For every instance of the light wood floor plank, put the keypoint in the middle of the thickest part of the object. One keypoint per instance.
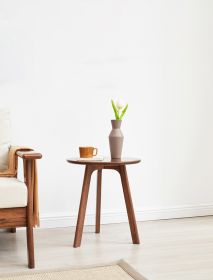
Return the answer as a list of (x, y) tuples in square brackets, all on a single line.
[(180, 249)]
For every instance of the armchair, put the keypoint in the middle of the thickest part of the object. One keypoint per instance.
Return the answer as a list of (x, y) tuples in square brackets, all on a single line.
[(18, 200)]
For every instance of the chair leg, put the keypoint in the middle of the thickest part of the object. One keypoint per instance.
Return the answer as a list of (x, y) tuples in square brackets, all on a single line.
[(29, 230), (30, 247), (12, 230)]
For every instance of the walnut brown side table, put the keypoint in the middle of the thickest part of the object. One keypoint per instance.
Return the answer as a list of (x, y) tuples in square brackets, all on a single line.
[(118, 165)]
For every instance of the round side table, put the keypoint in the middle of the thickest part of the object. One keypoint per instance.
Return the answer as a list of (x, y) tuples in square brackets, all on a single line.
[(90, 166)]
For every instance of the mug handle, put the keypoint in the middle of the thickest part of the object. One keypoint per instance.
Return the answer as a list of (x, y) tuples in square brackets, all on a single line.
[(96, 152)]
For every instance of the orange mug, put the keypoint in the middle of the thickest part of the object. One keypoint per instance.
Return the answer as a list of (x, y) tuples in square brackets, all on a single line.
[(88, 152)]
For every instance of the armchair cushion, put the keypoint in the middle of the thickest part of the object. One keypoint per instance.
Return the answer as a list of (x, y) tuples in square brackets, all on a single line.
[(13, 193), (4, 138)]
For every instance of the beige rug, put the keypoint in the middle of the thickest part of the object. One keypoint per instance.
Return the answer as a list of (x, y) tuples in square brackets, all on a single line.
[(114, 271)]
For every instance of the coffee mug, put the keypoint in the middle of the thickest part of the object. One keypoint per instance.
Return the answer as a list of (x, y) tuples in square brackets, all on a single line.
[(88, 152)]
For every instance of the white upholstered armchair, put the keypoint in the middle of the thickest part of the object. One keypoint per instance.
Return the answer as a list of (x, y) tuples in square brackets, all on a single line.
[(18, 200)]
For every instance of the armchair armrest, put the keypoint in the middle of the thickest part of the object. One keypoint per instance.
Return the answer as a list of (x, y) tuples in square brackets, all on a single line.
[(29, 155), (30, 178)]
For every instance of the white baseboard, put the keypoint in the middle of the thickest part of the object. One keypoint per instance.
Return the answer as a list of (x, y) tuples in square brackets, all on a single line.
[(67, 220)]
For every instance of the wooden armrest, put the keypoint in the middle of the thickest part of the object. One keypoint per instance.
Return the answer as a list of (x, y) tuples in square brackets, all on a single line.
[(29, 155)]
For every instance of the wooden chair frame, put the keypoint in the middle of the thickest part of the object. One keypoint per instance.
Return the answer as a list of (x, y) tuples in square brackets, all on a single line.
[(23, 216)]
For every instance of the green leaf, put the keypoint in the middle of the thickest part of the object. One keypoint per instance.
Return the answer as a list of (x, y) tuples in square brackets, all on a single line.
[(115, 110), (123, 112)]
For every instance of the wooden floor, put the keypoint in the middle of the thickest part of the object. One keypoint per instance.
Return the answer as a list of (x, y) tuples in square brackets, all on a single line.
[(180, 249)]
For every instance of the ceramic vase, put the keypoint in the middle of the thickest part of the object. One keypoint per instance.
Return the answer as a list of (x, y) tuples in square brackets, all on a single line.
[(116, 139)]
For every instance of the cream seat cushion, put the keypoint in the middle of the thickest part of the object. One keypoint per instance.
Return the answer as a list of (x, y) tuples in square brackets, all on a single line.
[(13, 193)]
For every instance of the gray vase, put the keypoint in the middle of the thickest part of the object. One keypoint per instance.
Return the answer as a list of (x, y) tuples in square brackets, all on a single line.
[(116, 139)]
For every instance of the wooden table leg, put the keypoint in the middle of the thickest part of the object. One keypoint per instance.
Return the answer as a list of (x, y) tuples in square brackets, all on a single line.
[(82, 206), (129, 204), (98, 201)]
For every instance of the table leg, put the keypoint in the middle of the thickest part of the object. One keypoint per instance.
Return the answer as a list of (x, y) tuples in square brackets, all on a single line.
[(98, 201), (82, 206), (129, 204)]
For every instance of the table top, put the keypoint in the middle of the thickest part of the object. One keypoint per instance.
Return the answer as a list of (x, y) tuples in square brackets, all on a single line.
[(105, 161)]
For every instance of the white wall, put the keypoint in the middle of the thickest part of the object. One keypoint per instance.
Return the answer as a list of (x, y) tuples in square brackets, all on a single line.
[(60, 64)]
